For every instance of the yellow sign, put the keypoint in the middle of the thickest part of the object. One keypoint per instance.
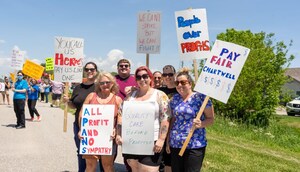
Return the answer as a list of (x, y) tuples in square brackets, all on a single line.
[(49, 64), (32, 69), (12, 76)]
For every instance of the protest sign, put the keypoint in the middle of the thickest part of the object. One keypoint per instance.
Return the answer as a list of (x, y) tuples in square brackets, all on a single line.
[(49, 64), (2, 87), (192, 34), (96, 128), (148, 35), (68, 59), (33, 70), (12, 76), (17, 59), (222, 70), (138, 127)]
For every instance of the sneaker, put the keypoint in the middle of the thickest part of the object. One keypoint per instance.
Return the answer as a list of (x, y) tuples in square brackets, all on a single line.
[(51, 105), (39, 118), (32, 119)]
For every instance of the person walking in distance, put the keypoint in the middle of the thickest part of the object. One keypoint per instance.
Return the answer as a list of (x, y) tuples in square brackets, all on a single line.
[(19, 88), (33, 94), (57, 90), (5, 93)]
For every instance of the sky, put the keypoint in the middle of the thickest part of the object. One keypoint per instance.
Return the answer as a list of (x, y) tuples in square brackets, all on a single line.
[(109, 28)]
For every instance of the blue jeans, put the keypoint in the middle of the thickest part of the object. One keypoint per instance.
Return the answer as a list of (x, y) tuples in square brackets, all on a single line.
[(46, 96), (81, 161)]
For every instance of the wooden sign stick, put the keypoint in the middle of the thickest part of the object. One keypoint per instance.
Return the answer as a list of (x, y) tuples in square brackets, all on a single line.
[(187, 140), (66, 109)]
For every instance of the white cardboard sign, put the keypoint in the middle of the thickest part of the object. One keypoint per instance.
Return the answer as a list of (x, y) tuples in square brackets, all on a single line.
[(68, 59), (138, 127), (96, 128), (221, 70), (192, 34), (148, 35)]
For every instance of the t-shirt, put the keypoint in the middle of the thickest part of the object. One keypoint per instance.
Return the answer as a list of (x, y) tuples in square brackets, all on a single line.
[(79, 94), (184, 113), (33, 95), (57, 87), (123, 83), (20, 85), (169, 91)]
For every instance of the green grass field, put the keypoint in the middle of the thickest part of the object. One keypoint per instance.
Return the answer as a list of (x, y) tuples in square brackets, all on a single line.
[(236, 147)]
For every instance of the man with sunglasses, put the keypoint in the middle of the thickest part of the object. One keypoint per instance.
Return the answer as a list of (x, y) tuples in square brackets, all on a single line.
[(125, 81), (158, 82), (169, 89)]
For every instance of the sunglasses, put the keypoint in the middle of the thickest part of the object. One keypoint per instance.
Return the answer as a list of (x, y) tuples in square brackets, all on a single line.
[(168, 74), (105, 83), (183, 82), (89, 69), (157, 77), (139, 77), (122, 66)]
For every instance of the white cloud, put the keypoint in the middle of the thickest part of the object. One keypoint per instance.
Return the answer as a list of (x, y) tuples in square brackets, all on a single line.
[(109, 63)]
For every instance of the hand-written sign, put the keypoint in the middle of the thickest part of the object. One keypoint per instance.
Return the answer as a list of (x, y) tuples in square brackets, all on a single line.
[(192, 34), (222, 70), (17, 59), (2, 86), (49, 63), (148, 36), (96, 128), (68, 59), (33, 70), (138, 127)]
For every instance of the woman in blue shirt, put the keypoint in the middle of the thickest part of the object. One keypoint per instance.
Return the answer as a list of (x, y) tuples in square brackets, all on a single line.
[(33, 95), (184, 108), (19, 98)]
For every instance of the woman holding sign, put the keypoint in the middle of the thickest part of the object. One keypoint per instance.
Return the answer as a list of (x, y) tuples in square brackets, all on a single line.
[(106, 91), (79, 94), (146, 93), (184, 107)]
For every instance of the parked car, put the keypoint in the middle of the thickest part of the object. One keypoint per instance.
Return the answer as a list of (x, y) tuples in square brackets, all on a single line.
[(293, 107)]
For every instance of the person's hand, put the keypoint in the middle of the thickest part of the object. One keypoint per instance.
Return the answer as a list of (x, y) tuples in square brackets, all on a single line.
[(79, 135), (113, 135), (168, 150), (119, 140), (197, 123), (158, 145), (13, 89), (66, 98)]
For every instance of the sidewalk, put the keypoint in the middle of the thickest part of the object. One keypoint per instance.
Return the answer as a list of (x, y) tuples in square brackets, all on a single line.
[(42, 146)]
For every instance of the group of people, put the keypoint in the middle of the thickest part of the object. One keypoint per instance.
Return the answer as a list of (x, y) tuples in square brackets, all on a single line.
[(25, 90), (176, 107)]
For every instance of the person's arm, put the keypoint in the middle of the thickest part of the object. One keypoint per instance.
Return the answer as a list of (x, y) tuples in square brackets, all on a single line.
[(209, 118), (168, 136), (164, 121)]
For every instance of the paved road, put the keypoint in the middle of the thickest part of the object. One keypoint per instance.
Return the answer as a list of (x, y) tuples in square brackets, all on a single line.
[(42, 146)]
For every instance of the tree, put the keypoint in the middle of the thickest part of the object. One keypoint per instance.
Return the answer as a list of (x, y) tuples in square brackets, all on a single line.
[(257, 91)]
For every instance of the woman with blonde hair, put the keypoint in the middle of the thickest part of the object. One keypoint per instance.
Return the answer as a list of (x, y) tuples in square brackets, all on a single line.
[(106, 90)]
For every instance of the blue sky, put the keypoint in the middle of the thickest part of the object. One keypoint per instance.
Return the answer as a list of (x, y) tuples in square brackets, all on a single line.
[(109, 28)]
